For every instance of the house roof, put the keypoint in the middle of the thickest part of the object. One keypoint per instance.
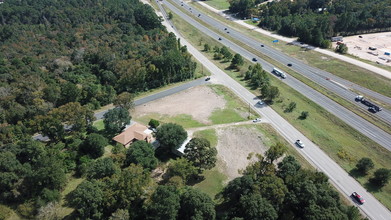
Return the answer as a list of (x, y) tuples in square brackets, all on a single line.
[(134, 131)]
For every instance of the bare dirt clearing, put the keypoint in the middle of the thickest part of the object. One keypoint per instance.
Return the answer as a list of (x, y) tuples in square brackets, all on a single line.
[(235, 144), (235, 140), (199, 102), (359, 46)]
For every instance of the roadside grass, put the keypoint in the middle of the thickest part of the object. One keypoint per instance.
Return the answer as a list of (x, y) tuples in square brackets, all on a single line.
[(340, 68), (208, 134), (341, 142), (272, 137), (218, 4)]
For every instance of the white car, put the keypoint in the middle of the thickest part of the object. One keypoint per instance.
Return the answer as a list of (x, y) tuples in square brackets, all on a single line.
[(257, 120), (299, 143), (260, 103)]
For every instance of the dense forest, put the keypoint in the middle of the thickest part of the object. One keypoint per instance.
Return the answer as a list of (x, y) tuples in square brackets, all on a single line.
[(315, 21), (59, 61)]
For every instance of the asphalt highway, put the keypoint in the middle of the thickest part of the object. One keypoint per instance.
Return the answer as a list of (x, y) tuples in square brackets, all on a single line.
[(373, 209), (376, 134)]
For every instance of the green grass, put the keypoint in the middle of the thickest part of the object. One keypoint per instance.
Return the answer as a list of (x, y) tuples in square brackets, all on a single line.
[(218, 4), (184, 120), (341, 142), (208, 134), (340, 68), (213, 182), (99, 124), (71, 185)]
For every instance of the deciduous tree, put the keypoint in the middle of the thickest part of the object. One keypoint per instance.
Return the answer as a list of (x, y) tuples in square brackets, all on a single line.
[(142, 153), (116, 119), (171, 136), (201, 154)]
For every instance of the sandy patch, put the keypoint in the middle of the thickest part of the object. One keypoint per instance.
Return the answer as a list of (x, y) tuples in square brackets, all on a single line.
[(234, 145), (199, 102), (359, 46)]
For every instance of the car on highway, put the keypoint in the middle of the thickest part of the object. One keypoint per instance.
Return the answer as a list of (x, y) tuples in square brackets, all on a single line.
[(207, 78), (289, 64), (260, 103), (227, 32), (257, 120), (220, 38), (262, 45), (225, 29), (358, 198), (255, 59), (299, 143)]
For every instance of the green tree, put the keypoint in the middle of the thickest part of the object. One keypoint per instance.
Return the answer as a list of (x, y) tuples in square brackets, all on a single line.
[(237, 61), (124, 100), (304, 115), (274, 92), (141, 152), (381, 177), (183, 168), (364, 165), (69, 93), (275, 151), (196, 205), (165, 202), (289, 166), (116, 119), (290, 107), (88, 200), (154, 123), (170, 15), (94, 145), (201, 154), (255, 207), (342, 49), (171, 136), (207, 47), (104, 167)]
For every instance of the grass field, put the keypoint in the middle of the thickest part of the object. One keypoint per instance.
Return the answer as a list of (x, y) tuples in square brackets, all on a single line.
[(341, 142), (218, 4), (342, 69)]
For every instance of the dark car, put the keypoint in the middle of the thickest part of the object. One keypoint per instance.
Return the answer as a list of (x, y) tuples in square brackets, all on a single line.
[(225, 29), (289, 64), (255, 59), (220, 38), (199, 15), (227, 32), (262, 45), (207, 78), (358, 198)]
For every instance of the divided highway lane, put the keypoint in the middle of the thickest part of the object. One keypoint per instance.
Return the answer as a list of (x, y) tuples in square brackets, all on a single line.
[(316, 75), (360, 124), (344, 183)]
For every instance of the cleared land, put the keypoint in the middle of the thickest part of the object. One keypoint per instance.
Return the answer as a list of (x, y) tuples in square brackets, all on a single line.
[(359, 46), (234, 139)]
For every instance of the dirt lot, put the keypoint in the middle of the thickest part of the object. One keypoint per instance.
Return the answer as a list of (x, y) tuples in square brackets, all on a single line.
[(235, 144), (359, 46), (235, 141), (199, 102)]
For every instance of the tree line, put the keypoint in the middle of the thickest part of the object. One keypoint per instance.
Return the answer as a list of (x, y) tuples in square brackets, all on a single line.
[(315, 21)]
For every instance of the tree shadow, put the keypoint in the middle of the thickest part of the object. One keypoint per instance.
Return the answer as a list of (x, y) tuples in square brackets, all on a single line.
[(371, 187), (164, 155), (195, 179), (356, 173)]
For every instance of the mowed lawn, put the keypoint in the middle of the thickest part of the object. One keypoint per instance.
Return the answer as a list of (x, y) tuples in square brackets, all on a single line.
[(218, 4)]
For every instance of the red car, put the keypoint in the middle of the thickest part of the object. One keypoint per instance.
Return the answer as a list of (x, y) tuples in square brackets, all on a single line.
[(359, 198)]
